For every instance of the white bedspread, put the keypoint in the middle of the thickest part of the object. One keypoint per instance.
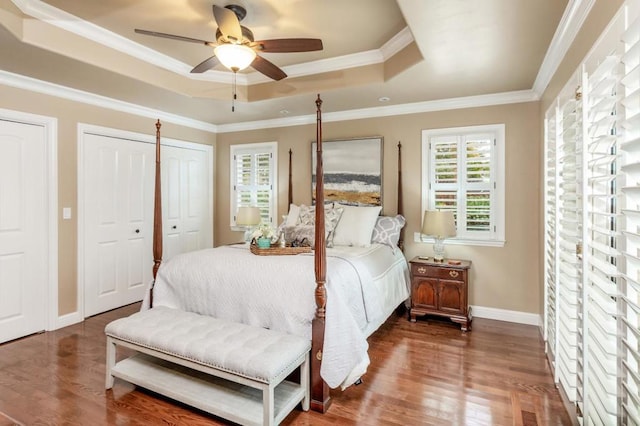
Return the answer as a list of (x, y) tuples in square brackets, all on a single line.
[(364, 286)]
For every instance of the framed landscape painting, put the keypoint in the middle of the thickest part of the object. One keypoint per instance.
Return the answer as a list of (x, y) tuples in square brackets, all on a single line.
[(352, 171)]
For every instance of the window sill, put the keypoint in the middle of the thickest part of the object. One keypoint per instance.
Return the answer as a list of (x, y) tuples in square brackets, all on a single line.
[(418, 238)]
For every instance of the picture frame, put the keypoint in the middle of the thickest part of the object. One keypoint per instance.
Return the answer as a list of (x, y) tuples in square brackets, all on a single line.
[(352, 171)]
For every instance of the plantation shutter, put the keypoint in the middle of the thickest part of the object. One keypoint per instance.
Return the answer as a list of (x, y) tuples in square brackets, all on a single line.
[(608, 293), (253, 176), (461, 180), (629, 288), (551, 237), (478, 178), (598, 371), (444, 179), (570, 239)]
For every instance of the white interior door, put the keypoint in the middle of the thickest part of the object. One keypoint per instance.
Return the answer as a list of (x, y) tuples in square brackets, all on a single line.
[(23, 230), (186, 185), (118, 201)]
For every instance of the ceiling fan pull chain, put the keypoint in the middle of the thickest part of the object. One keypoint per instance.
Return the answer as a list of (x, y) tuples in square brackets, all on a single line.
[(233, 101)]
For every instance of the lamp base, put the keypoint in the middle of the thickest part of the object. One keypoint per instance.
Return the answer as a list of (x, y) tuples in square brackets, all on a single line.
[(438, 250)]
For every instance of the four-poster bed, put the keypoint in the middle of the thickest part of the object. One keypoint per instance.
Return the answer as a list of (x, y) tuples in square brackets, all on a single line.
[(343, 358)]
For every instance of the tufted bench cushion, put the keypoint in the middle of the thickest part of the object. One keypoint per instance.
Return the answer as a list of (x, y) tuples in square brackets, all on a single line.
[(232, 370), (239, 349)]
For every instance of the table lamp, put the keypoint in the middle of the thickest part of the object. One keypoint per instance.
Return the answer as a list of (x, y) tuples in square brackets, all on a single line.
[(248, 218), (439, 224)]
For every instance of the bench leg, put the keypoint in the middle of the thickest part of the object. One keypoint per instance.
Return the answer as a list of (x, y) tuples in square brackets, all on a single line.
[(304, 382), (111, 361), (268, 405)]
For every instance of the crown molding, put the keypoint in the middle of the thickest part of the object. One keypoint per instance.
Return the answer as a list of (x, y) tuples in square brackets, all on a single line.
[(574, 16), (68, 22), (39, 86), (388, 111)]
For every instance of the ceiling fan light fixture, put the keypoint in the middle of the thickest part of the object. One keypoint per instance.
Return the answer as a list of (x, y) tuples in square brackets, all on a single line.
[(236, 57)]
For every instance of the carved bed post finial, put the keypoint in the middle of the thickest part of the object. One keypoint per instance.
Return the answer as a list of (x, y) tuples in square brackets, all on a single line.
[(157, 215)]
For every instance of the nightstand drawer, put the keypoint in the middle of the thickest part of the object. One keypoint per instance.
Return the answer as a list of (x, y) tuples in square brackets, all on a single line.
[(437, 272)]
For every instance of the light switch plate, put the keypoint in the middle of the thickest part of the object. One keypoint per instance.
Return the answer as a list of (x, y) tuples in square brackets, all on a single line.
[(66, 212)]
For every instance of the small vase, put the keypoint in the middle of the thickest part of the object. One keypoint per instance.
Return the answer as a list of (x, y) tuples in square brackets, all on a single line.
[(264, 242)]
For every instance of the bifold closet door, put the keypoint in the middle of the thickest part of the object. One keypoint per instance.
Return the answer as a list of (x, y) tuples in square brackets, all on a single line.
[(185, 186), (23, 230), (118, 220)]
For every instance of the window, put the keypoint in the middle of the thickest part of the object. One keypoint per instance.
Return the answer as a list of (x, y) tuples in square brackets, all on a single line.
[(253, 173), (463, 172)]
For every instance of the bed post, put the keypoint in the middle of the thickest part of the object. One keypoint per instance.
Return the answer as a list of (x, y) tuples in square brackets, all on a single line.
[(157, 217), (290, 181), (320, 399), (400, 201)]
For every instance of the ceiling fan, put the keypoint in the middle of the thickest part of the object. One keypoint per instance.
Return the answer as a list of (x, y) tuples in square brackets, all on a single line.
[(235, 47)]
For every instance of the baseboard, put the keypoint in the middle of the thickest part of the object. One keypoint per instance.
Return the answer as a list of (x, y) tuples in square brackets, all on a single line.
[(505, 315), (67, 320)]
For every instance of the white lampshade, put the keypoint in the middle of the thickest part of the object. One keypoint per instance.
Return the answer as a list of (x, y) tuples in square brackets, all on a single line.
[(248, 216), (439, 223), (236, 57)]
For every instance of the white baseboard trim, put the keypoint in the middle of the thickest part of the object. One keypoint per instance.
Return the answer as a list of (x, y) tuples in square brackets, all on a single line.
[(505, 315), (67, 320)]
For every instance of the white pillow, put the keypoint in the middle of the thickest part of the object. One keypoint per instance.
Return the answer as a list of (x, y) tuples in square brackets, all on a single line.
[(292, 216), (356, 226)]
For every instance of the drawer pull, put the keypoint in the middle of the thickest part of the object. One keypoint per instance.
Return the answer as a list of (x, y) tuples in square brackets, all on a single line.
[(422, 269), (453, 274)]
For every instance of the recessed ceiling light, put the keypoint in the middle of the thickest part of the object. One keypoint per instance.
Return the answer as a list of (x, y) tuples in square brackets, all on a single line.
[(384, 99)]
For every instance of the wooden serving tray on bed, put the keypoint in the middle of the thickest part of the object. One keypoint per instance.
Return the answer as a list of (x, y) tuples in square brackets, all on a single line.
[(278, 251)]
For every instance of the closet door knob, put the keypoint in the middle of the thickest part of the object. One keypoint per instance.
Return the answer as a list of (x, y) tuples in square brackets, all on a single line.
[(137, 231), (174, 227)]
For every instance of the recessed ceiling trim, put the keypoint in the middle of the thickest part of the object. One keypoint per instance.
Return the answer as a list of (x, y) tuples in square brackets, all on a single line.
[(39, 86), (572, 19), (397, 43), (388, 111), (27, 83), (88, 30)]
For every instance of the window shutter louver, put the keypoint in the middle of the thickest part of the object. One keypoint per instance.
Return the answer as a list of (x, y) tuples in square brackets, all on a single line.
[(628, 303)]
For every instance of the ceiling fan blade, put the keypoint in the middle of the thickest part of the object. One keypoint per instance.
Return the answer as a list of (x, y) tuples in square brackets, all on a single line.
[(284, 45), (174, 37), (205, 65), (228, 23), (268, 68)]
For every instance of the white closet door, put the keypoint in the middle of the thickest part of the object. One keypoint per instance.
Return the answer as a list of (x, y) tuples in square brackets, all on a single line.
[(23, 231), (118, 208), (186, 183)]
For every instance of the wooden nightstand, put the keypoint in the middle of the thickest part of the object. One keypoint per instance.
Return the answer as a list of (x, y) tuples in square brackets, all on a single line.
[(439, 288)]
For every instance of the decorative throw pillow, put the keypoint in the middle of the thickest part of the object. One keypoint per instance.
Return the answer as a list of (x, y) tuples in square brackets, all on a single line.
[(356, 226), (307, 214), (387, 230), (293, 215), (307, 220), (299, 233)]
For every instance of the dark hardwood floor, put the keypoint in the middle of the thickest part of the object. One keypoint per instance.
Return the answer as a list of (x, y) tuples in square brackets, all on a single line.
[(421, 373)]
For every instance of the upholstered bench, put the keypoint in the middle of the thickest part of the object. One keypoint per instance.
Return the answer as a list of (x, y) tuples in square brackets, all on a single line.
[(231, 370)]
